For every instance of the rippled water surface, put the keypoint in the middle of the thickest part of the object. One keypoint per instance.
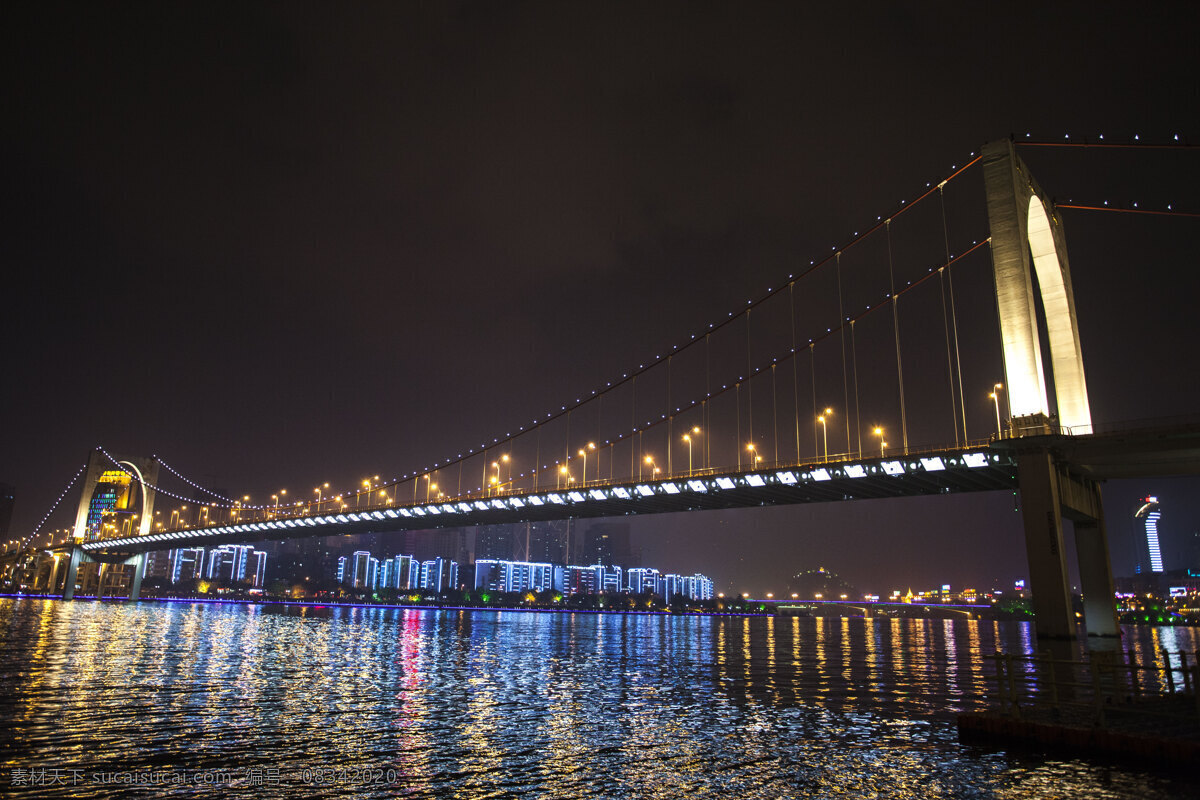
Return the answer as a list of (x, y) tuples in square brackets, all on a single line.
[(240, 700)]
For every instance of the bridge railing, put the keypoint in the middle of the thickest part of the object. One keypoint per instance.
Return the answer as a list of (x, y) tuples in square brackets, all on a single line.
[(1148, 425)]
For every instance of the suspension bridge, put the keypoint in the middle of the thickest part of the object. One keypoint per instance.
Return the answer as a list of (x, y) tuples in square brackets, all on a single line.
[(846, 381)]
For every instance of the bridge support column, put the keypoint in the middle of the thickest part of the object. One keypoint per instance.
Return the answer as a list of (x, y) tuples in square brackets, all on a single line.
[(1050, 491), (1042, 512), (52, 582), (1095, 578), (77, 557), (135, 583)]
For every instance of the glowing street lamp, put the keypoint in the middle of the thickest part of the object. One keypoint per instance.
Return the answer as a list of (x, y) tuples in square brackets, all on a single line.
[(995, 395), (429, 487), (755, 458), (562, 476), (687, 437), (825, 430), (583, 453), (649, 460), (879, 433)]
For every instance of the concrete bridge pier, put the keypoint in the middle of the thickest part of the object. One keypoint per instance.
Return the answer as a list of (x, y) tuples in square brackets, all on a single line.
[(139, 566), (78, 557), (1049, 492)]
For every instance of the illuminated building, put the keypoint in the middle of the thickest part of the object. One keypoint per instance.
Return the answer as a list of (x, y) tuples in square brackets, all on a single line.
[(259, 562), (691, 587), (228, 561), (439, 574), (579, 580), (513, 576), (360, 569), (403, 576), (606, 578), (111, 496), (643, 580), (1149, 551), (187, 563)]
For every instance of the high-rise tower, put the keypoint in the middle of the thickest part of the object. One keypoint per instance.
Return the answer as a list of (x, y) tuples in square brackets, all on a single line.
[(1149, 551)]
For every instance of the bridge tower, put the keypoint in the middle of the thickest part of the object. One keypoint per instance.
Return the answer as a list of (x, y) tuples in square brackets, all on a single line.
[(115, 500), (1026, 232)]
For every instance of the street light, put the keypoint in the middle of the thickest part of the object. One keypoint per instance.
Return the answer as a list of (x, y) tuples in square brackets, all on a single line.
[(562, 473), (583, 454), (755, 458), (825, 430), (687, 437), (879, 433), (648, 460), (318, 491), (358, 495), (995, 395)]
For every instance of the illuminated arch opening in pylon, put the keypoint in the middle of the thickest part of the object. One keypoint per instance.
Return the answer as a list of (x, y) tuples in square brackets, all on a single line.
[(1025, 229)]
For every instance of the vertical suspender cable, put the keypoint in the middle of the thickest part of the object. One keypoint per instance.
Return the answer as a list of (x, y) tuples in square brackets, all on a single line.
[(537, 458), (704, 410), (737, 393), (854, 364), (774, 414), (842, 333), (954, 321), (945, 315), (896, 334), (633, 451), (962, 405), (670, 420), (795, 366), (812, 360), (749, 382)]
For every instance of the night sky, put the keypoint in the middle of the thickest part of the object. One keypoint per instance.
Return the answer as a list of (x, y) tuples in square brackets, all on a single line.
[(285, 244)]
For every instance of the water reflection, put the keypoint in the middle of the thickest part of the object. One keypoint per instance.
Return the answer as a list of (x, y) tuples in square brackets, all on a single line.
[(513, 704)]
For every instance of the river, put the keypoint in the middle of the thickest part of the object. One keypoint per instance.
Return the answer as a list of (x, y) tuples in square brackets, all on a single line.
[(110, 699)]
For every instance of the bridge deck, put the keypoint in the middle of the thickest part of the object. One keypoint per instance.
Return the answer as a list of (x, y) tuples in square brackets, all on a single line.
[(935, 472)]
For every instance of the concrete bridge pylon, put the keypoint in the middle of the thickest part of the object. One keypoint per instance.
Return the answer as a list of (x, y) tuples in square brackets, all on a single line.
[(1027, 241)]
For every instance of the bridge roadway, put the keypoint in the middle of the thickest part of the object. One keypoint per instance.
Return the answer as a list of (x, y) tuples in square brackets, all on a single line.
[(930, 472)]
